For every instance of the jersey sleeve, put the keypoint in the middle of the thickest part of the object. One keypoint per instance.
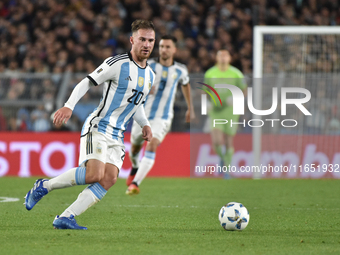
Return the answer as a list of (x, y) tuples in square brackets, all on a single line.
[(140, 117), (78, 92), (184, 79), (103, 73)]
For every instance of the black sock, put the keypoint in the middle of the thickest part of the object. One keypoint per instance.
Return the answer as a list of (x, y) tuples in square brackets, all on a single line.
[(133, 171)]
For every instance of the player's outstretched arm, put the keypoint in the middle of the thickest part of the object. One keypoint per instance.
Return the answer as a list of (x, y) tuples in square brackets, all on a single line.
[(64, 114), (190, 113), (78, 92), (143, 122)]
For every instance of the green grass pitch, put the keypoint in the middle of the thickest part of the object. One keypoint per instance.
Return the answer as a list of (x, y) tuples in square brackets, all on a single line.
[(178, 216)]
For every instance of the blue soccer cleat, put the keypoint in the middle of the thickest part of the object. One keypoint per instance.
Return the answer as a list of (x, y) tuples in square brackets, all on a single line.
[(35, 194), (66, 223)]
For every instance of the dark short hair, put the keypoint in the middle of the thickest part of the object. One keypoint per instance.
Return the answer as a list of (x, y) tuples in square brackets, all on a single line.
[(224, 49), (169, 37), (142, 24)]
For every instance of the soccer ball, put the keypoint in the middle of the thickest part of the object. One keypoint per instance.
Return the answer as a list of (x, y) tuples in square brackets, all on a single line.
[(233, 216)]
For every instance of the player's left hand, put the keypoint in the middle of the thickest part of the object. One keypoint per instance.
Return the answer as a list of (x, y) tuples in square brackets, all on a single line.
[(147, 133), (189, 115)]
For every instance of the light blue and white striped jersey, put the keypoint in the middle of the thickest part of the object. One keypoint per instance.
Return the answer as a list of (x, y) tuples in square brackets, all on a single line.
[(126, 86), (160, 103)]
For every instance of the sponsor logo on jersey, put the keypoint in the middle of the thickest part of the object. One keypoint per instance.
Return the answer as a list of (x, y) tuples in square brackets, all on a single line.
[(164, 74)]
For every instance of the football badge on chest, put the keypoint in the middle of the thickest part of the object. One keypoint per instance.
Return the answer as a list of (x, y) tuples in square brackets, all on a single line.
[(140, 81)]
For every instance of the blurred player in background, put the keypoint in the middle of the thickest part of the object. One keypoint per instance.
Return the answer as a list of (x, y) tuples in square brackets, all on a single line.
[(222, 135), (159, 110), (127, 80)]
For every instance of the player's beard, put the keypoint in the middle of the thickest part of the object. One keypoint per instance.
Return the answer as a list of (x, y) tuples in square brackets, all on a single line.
[(164, 57), (143, 56)]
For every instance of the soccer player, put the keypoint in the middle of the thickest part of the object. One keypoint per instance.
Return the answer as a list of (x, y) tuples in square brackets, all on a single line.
[(127, 80), (222, 135), (159, 110)]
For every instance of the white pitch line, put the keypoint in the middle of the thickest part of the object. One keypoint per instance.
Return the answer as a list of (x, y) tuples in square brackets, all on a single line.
[(9, 199), (317, 208), (255, 208), (162, 206)]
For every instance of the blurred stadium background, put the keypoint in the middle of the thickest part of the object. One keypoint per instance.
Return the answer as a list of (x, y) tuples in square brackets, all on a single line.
[(47, 46)]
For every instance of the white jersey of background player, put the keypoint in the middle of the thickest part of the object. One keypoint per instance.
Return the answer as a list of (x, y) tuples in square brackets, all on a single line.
[(127, 80), (159, 110)]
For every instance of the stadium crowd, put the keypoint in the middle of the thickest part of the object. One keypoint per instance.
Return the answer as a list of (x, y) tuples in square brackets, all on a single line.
[(55, 36)]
